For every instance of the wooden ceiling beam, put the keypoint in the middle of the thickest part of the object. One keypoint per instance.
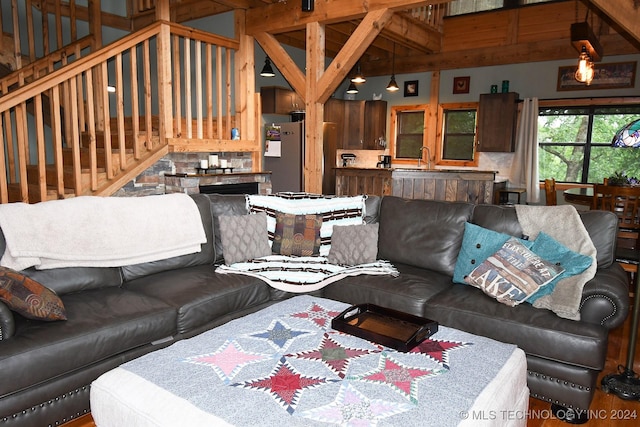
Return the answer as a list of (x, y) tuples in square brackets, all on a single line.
[(625, 13), (287, 67), (367, 31), (547, 50), (288, 16)]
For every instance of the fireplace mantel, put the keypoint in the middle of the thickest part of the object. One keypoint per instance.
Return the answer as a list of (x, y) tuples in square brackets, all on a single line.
[(190, 183)]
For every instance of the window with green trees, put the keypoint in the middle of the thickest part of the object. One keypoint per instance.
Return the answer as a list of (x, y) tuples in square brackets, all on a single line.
[(575, 143)]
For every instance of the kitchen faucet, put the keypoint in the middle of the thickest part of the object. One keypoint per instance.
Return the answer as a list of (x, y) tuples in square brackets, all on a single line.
[(428, 156)]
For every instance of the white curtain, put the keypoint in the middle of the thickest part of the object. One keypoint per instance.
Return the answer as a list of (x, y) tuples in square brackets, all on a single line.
[(524, 170)]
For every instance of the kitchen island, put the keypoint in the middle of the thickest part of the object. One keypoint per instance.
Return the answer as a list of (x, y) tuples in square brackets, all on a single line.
[(429, 184)]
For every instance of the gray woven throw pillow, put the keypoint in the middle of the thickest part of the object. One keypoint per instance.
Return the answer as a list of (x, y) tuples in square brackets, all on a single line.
[(354, 244), (244, 237)]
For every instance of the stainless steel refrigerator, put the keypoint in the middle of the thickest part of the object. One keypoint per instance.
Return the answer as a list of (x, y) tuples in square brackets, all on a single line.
[(286, 162), (285, 159)]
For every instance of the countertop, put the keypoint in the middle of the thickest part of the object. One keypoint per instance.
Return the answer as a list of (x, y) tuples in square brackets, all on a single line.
[(416, 169)]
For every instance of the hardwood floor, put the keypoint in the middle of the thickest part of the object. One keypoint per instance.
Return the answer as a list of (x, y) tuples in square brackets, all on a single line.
[(607, 410)]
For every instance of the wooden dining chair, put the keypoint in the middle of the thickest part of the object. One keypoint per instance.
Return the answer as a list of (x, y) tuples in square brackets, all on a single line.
[(624, 202), (551, 196)]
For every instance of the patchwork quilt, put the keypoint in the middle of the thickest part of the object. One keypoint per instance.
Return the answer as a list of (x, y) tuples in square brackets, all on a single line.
[(284, 365)]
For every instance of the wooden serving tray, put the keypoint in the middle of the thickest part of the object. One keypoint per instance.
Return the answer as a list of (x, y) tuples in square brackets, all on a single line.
[(391, 328)]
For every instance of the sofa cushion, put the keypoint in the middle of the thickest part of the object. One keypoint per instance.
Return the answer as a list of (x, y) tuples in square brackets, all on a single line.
[(101, 323), (538, 332), (408, 292), (73, 279), (205, 256), (200, 295), (224, 204), (354, 244), (244, 237), (29, 298), (603, 230), (422, 233), (297, 235), (513, 273), (372, 208), (498, 218)]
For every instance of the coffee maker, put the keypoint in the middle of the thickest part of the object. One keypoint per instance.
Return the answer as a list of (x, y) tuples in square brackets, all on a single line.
[(384, 161)]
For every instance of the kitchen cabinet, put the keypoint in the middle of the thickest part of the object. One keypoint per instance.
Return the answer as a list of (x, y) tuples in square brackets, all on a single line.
[(497, 117), (448, 185), (353, 138), (375, 124), (359, 124), (280, 100)]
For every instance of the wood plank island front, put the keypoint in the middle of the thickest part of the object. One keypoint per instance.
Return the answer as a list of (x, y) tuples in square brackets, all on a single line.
[(449, 185)]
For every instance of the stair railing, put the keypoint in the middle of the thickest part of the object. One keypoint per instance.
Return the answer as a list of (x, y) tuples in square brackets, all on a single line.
[(120, 93)]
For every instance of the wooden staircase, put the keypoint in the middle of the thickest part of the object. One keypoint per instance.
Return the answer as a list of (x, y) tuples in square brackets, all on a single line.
[(65, 133)]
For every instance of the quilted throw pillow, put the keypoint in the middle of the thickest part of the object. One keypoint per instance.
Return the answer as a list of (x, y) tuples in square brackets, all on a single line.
[(354, 244), (297, 234), (29, 298), (243, 237), (513, 274)]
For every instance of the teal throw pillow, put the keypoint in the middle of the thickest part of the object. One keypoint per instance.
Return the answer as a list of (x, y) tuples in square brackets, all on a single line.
[(478, 243), (513, 274), (553, 251)]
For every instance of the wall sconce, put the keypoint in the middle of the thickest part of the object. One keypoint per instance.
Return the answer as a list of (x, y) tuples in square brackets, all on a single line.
[(267, 70)]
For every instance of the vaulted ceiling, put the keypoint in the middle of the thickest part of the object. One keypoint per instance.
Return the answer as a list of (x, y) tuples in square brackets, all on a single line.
[(527, 34)]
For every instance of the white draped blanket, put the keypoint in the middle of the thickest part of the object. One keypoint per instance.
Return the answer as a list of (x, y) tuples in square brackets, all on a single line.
[(94, 231), (303, 274), (563, 223)]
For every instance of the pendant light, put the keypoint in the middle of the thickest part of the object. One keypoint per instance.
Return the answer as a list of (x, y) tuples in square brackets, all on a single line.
[(267, 70), (584, 73), (359, 77), (352, 88), (393, 86)]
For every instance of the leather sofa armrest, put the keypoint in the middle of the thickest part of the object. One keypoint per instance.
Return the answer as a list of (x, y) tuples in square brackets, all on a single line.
[(7, 325), (605, 298)]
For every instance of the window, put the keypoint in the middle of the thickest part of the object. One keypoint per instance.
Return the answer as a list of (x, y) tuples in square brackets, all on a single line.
[(575, 143), (459, 134), (408, 134), (458, 141)]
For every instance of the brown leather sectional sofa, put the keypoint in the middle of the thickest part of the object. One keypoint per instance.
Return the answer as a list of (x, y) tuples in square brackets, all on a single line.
[(117, 314)]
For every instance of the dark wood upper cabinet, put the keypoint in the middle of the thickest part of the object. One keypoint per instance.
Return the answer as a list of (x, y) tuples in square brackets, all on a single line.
[(375, 124), (359, 124), (280, 100), (497, 118)]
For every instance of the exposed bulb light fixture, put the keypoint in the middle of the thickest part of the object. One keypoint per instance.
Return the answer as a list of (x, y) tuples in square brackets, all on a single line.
[(352, 88), (359, 77), (393, 86), (584, 73), (267, 70)]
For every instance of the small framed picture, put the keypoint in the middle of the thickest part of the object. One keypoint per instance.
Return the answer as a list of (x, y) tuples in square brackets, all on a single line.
[(461, 84), (411, 88)]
